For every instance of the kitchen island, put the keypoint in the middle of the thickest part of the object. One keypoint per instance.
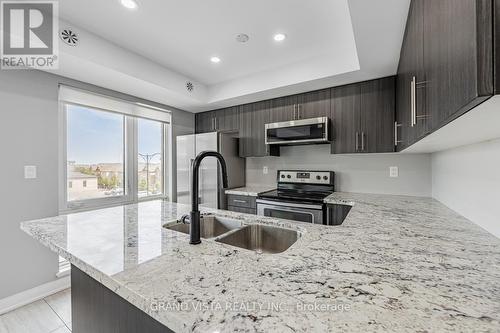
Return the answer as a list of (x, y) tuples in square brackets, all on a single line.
[(396, 264)]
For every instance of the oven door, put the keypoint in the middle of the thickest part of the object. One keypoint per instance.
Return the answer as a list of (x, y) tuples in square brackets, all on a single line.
[(311, 213)]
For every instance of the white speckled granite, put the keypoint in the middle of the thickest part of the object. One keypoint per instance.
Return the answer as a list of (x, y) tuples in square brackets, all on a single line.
[(396, 264), (251, 191)]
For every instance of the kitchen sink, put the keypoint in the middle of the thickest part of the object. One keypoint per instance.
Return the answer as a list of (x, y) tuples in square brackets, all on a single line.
[(211, 226), (261, 238)]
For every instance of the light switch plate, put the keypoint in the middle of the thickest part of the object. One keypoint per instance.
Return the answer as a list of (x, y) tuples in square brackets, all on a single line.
[(29, 172), (265, 170), (393, 172)]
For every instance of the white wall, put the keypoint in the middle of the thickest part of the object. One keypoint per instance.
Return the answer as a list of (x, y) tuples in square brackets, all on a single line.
[(353, 173), (467, 180), (29, 136)]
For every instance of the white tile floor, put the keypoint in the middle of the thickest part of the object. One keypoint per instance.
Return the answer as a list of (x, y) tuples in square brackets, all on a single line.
[(49, 315)]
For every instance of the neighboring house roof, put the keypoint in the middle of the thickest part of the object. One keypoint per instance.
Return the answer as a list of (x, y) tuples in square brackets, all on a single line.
[(79, 175)]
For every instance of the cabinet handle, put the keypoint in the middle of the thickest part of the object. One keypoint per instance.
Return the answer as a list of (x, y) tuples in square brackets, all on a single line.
[(294, 111), (298, 112), (240, 201), (413, 98), (396, 141), (413, 101), (357, 141), (362, 141)]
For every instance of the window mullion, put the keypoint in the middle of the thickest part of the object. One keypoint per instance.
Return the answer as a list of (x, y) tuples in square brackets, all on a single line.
[(132, 163)]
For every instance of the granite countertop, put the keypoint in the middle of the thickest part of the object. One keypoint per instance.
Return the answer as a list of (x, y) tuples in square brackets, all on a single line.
[(250, 190), (396, 264)]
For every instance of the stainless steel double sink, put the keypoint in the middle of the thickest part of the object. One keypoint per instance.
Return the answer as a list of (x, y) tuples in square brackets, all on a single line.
[(255, 237)]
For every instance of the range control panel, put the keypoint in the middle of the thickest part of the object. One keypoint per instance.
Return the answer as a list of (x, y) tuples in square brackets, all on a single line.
[(306, 177)]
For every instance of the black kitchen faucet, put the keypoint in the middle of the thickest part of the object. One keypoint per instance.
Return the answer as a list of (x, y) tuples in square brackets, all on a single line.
[(194, 216)]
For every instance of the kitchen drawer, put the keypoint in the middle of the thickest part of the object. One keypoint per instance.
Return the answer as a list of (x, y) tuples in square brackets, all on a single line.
[(241, 201), (242, 210)]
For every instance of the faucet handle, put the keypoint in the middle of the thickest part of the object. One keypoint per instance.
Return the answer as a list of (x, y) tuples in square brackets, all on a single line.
[(185, 219)]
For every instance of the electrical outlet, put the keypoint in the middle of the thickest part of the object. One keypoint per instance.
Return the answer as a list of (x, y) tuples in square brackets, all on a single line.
[(29, 172), (394, 172), (265, 170)]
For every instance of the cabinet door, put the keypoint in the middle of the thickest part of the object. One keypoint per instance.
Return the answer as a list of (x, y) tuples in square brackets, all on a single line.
[(411, 65), (283, 109), (313, 104), (451, 56), (227, 119), (245, 132), (204, 122), (377, 116), (260, 116), (346, 106)]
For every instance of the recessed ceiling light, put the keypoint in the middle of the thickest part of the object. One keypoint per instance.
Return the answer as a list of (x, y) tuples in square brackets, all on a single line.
[(130, 4), (215, 59), (279, 37)]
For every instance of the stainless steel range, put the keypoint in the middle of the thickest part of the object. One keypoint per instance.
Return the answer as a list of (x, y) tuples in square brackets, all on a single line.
[(300, 196)]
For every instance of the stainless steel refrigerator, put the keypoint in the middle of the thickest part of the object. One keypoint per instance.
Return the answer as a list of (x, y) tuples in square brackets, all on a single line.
[(211, 194)]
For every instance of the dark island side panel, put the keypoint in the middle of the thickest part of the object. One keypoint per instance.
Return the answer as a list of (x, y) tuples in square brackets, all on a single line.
[(96, 309)]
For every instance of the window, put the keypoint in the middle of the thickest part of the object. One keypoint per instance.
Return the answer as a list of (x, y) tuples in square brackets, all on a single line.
[(150, 158), (114, 151), (95, 153)]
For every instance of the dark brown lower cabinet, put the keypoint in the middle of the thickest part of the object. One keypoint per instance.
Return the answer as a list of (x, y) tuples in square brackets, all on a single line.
[(242, 204), (96, 309), (252, 211), (363, 117), (336, 214)]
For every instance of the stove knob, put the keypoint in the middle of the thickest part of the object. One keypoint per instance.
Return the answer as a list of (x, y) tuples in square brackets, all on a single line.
[(325, 177), (288, 176), (282, 176), (318, 177)]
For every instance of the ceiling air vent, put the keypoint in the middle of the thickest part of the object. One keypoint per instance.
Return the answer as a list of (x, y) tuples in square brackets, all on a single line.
[(69, 37), (189, 86)]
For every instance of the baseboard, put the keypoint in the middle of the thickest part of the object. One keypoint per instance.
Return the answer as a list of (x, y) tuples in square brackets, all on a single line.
[(31, 295)]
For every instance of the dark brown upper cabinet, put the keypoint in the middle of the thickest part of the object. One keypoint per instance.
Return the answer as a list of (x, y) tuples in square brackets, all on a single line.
[(228, 119), (283, 109), (205, 122), (302, 106), (378, 105), (219, 120), (245, 132), (346, 112), (445, 67), (411, 76), (313, 104), (363, 117), (253, 118)]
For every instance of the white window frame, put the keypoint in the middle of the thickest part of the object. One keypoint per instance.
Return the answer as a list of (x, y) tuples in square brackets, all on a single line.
[(130, 162)]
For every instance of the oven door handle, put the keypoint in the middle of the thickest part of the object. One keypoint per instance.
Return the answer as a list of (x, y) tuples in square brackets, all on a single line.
[(289, 204), (261, 208)]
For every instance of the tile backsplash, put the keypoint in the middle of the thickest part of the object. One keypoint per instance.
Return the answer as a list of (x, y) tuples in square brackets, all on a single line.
[(364, 173)]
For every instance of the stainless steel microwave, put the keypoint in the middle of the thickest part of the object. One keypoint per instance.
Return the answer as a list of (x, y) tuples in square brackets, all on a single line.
[(299, 132)]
